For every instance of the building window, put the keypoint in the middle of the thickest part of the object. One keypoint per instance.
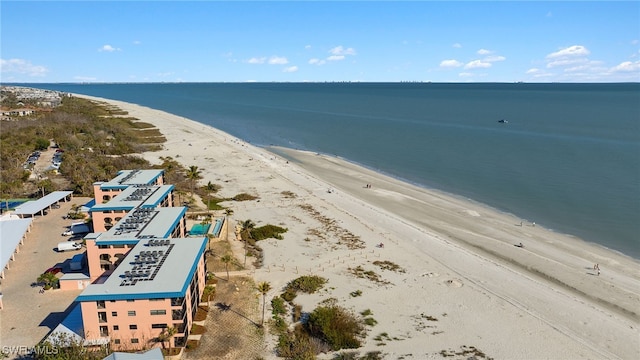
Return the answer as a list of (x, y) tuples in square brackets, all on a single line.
[(116, 341), (102, 317), (134, 341), (116, 327), (104, 331), (114, 313), (133, 327), (158, 312), (103, 246), (158, 326), (130, 300), (100, 304), (131, 313)]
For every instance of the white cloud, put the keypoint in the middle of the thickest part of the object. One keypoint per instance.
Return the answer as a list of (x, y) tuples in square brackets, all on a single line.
[(137, 42), (21, 66), (340, 50), (307, 47), (475, 64), (494, 58), (533, 71), (277, 60), (627, 66), (108, 48), (571, 51), (450, 63), (290, 69), (484, 52), (255, 60), (566, 62), (335, 57), (456, 45), (315, 61), (465, 74)]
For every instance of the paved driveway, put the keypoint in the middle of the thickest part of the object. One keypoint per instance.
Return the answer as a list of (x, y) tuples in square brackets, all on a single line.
[(28, 315)]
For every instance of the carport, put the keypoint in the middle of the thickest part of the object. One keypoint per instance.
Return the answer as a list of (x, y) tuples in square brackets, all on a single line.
[(12, 234), (32, 208)]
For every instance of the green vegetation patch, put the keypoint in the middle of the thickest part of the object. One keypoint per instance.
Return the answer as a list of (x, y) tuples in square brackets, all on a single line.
[(308, 284), (244, 197), (336, 326), (360, 272), (388, 265), (268, 232), (468, 352)]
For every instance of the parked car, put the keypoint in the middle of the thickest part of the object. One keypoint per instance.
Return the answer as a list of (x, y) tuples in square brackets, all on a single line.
[(53, 270), (69, 245)]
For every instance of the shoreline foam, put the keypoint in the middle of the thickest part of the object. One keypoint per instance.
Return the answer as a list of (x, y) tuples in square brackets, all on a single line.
[(461, 265)]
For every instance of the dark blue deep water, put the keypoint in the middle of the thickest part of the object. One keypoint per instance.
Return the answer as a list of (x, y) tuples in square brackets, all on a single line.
[(568, 158)]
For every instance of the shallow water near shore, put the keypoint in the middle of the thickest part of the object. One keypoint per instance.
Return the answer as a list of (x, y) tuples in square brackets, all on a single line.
[(567, 156)]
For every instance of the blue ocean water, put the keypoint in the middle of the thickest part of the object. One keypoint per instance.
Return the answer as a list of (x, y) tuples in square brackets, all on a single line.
[(568, 158)]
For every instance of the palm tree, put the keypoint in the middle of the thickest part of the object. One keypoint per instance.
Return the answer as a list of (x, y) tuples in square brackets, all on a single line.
[(209, 238), (48, 279), (247, 226), (264, 288), (166, 335), (193, 174), (208, 293), (226, 259)]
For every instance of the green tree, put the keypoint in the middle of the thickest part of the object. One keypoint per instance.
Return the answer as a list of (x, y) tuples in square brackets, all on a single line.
[(41, 144), (48, 279), (247, 226), (166, 335), (226, 259), (336, 326), (193, 174), (264, 288)]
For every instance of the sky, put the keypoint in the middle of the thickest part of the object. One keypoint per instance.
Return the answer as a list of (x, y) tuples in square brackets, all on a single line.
[(287, 41)]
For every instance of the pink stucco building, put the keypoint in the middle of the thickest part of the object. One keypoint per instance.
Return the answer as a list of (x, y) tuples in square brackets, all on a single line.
[(158, 284), (144, 273)]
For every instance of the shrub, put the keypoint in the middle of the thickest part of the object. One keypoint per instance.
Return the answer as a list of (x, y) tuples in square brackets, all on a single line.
[(288, 295), (296, 345), (297, 312), (278, 307), (307, 284), (370, 321), (244, 197), (335, 325), (268, 231)]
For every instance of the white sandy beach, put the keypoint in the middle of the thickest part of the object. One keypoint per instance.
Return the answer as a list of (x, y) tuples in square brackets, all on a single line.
[(461, 268)]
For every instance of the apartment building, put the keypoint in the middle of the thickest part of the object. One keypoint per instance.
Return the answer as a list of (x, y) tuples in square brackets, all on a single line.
[(158, 284), (107, 249)]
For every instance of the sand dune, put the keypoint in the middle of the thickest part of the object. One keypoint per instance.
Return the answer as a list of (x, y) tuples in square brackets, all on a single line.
[(462, 281)]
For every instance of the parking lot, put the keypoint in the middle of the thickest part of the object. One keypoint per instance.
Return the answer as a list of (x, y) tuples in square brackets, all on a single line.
[(29, 314)]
